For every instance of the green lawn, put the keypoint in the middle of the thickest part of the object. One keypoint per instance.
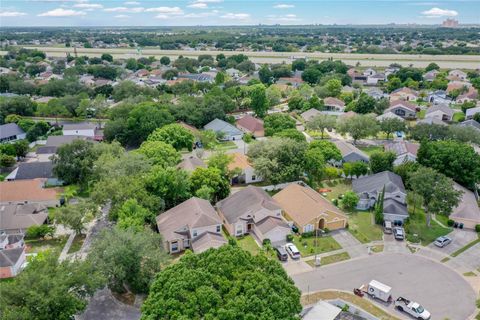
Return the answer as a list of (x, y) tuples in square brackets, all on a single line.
[(308, 246), (222, 146), (334, 258), (458, 117), (36, 246), (360, 225), (77, 243), (421, 114), (338, 187), (248, 243), (371, 149), (417, 230)]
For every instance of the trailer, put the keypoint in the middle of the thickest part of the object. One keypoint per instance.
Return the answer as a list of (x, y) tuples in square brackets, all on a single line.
[(378, 290)]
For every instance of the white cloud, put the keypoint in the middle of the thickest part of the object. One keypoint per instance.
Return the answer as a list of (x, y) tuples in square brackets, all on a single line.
[(283, 18), (125, 9), (12, 14), (166, 10), (121, 16), (236, 16), (201, 14), (438, 13), (60, 12), (284, 6), (131, 3), (198, 5), (88, 6)]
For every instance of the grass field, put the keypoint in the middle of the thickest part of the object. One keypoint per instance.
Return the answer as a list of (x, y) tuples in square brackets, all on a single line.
[(371, 149), (308, 246), (77, 243), (418, 231), (36, 246), (361, 226), (337, 188), (248, 243), (334, 258)]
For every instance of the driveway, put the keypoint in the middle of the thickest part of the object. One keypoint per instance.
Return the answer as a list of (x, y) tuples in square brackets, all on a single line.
[(103, 306), (460, 238), (349, 243), (439, 289)]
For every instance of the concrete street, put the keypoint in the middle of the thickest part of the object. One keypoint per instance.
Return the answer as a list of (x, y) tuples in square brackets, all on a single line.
[(438, 288)]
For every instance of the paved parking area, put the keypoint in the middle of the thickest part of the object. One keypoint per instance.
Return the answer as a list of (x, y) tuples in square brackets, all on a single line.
[(460, 238), (293, 267), (104, 306), (438, 288)]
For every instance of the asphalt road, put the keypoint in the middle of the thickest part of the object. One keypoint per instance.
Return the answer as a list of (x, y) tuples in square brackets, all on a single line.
[(439, 289)]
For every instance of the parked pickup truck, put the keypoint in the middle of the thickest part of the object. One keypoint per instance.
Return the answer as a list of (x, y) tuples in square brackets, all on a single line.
[(412, 308)]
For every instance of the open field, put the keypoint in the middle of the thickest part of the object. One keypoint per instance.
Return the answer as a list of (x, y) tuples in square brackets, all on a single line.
[(378, 60)]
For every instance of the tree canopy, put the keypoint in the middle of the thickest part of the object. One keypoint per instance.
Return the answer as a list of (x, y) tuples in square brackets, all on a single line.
[(225, 283)]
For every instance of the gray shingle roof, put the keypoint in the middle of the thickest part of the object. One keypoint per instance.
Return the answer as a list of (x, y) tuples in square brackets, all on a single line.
[(32, 170), (218, 125), (393, 206), (57, 141), (9, 130), (440, 107), (208, 240), (9, 257), (376, 182), (22, 216)]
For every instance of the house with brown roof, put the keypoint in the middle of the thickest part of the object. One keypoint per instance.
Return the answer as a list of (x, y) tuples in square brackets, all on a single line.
[(193, 224), (191, 163), (470, 95), (403, 109), (310, 114), (458, 85), (405, 94), (405, 151), (308, 210), (253, 211), (28, 191), (457, 75), (350, 153), (334, 104), (15, 218), (250, 124), (246, 173)]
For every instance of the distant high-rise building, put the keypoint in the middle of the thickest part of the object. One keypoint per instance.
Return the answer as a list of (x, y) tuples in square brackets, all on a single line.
[(450, 23)]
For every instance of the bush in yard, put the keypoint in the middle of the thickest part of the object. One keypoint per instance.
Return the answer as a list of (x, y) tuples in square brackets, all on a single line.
[(35, 232), (308, 234), (477, 228), (335, 202), (450, 222), (289, 237), (266, 242), (350, 200)]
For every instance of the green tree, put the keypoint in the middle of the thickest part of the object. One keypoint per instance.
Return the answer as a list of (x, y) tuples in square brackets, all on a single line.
[(265, 74), (259, 103), (328, 149), (391, 125), (221, 161), (314, 165), (293, 134), (350, 200), (311, 75), (160, 153), (49, 289), (393, 84), (382, 161), (334, 87), (6, 161), (212, 178), (75, 216), (107, 57), (456, 160), (321, 123), (170, 184), (365, 104), (133, 215), (220, 78), (129, 259), (432, 66), (165, 60), (358, 126), (277, 122), (73, 162), (213, 283), (175, 134), (437, 191)]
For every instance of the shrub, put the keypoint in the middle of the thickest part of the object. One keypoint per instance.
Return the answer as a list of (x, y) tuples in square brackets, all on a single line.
[(326, 230), (266, 242), (335, 202), (308, 234), (450, 222), (40, 231), (248, 137), (289, 237), (477, 228), (378, 217)]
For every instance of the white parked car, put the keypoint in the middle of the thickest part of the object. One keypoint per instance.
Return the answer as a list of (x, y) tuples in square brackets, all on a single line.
[(292, 251), (412, 308), (399, 233), (442, 241)]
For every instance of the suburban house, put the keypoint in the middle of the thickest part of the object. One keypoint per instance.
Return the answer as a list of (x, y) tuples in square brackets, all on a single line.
[(45, 152), (11, 132), (191, 163), (334, 104), (28, 191), (370, 189), (350, 153), (308, 210), (458, 85), (469, 113), (471, 123), (292, 81), (403, 109), (323, 310), (457, 75), (467, 211), (85, 129), (17, 218), (439, 97), (224, 129), (34, 170), (470, 95), (250, 124), (430, 75), (11, 261), (405, 151), (388, 115), (253, 211), (246, 172), (193, 224), (405, 94), (432, 120), (310, 114), (440, 111), (375, 79)]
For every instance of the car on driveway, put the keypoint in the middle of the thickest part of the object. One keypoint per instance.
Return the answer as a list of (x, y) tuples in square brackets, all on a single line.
[(399, 233), (292, 251), (281, 253), (442, 241)]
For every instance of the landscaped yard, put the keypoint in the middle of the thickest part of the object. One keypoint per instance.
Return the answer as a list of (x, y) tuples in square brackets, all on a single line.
[(36, 246), (458, 117), (248, 243), (337, 187), (371, 149), (418, 231), (361, 226), (77, 243), (308, 246), (335, 258), (222, 146)]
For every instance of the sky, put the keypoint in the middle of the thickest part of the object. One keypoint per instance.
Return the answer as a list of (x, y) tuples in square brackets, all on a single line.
[(26, 13)]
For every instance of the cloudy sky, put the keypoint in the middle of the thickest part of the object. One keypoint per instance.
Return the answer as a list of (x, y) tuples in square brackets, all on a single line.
[(232, 12)]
